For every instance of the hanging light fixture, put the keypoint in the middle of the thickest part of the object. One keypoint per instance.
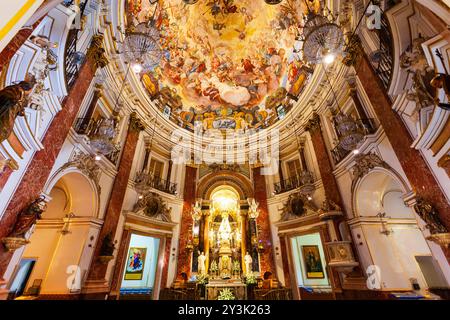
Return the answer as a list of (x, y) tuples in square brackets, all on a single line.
[(349, 132), (323, 39), (141, 48)]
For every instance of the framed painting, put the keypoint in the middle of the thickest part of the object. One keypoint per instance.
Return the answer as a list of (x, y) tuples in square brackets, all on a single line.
[(135, 263), (312, 262)]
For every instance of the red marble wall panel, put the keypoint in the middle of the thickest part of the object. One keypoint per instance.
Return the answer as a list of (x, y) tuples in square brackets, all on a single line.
[(184, 257), (260, 194), (42, 163)]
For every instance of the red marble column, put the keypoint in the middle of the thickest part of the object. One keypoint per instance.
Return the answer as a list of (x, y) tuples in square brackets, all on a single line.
[(165, 271), (411, 160), (184, 256), (42, 163), (260, 194), (121, 253), (117, 196), (285, 257), (326, 170), (4, 176)]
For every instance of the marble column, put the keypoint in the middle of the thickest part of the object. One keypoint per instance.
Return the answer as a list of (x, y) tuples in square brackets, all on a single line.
[(267, 263), (184, 256), (98, 270), (42, 163), (326, 170), (121, 255), (416, 169), (165, 271)]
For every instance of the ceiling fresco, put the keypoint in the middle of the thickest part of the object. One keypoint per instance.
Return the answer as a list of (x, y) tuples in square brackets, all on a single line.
[(229, 64)]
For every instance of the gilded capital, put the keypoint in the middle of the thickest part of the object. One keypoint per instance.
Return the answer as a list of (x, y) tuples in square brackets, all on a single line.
[(313, 123), (136, 123)]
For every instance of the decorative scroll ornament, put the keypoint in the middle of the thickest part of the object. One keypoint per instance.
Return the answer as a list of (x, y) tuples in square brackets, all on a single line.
[(365, 163), (413, 60), (430, 216), (87, 165), (45, 62), (153, 206), (96, 53), (329, 210), (26, 219), (297, 206)]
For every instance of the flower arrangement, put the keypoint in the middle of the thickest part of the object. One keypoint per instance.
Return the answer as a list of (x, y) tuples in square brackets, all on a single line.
[(213, 267), (250, 279), (226, 294), (202, 279)]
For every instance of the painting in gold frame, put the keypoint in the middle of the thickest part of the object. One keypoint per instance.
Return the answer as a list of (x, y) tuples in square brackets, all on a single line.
[(312, 262), (135, 263)]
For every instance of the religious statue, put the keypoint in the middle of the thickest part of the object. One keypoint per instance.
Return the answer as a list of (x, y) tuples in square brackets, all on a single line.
[(28, 217), (248, 263), (13, 100), (201, 263), (442, 81)]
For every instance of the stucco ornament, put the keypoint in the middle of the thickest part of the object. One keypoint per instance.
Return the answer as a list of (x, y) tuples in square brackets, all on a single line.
[(87, 165), (297, 206), (365, 163), (153, 206)]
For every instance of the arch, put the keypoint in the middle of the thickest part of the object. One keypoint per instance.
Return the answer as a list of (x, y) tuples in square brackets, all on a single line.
[(81, 194), (237, 181), (380, 191)]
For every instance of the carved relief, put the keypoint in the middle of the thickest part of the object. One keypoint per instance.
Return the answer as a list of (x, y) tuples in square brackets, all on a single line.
[(153, 206), (413, 60), (297, 206), (96, 52), (87, 165), (365, 163), (313, 123)]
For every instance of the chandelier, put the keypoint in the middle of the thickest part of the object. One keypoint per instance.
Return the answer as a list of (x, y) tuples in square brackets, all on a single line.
[(323, 39), (350, 135), (103, 138), (307, 187), (141, 49)]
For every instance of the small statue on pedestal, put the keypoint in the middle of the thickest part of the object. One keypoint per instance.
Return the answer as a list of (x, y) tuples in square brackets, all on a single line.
[(248, 263), (201, 263)]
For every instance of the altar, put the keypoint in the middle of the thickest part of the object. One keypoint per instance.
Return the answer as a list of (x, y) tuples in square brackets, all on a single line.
[(214, 287)]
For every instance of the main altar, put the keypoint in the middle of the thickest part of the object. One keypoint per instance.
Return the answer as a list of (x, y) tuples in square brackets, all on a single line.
[(225, 252)]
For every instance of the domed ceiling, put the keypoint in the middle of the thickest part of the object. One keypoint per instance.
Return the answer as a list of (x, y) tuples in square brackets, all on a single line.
[(227, 64)]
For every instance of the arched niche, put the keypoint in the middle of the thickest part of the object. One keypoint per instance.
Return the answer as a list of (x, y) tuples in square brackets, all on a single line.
[(71, 191), (381, 191)]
